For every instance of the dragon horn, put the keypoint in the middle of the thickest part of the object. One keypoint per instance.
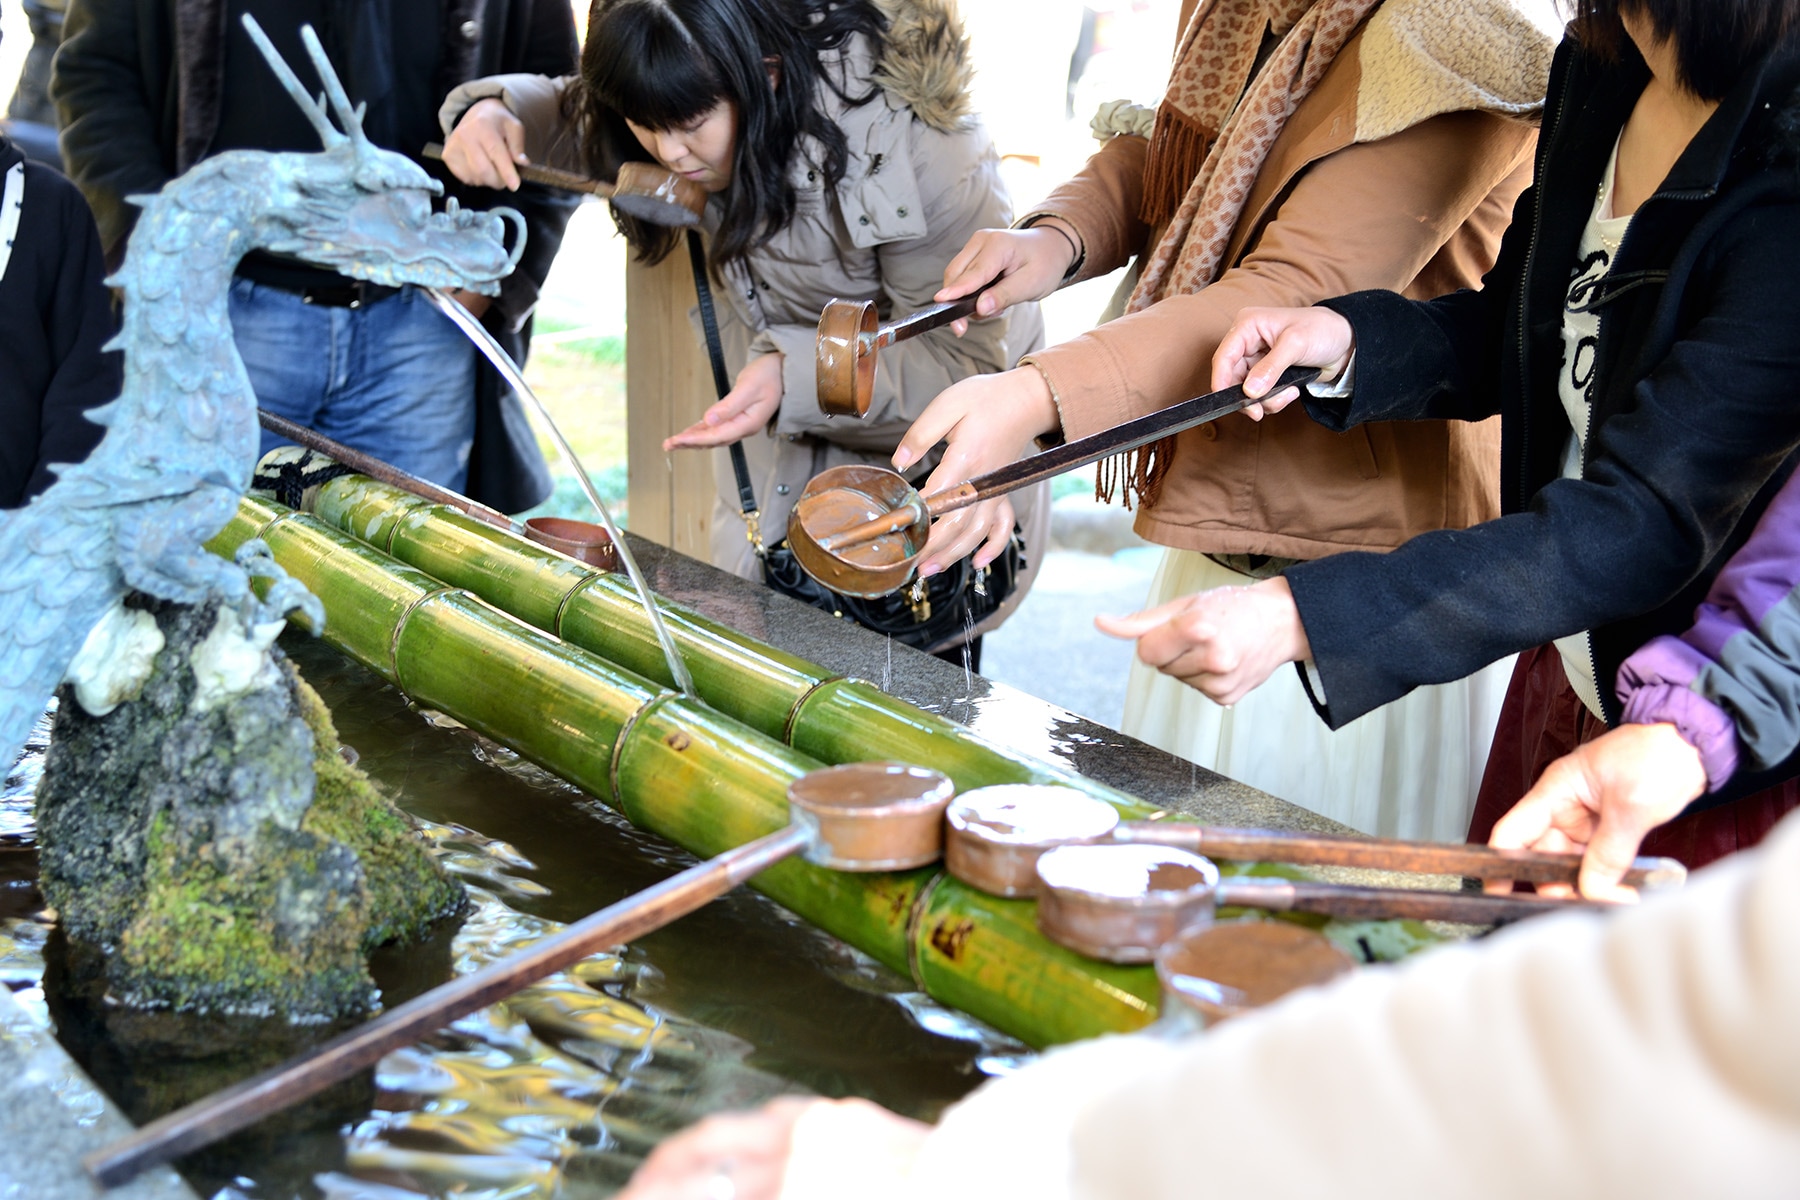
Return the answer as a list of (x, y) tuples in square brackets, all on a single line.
[(350, 117), (315, 113)]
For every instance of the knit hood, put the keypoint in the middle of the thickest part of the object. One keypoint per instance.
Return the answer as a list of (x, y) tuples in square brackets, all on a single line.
[(924, 64)]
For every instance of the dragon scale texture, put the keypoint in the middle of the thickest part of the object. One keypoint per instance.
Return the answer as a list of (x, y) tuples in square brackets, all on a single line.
[(182, 437)]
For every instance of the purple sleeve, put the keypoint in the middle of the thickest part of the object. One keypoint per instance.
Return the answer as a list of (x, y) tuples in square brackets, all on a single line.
[(1729, 684)]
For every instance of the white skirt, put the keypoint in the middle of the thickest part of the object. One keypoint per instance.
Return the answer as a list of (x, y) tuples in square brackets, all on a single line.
[(1408, 769)]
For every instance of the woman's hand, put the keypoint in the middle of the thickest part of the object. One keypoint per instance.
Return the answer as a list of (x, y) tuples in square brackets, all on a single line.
[(987, 421), (1029, 263), (486, 146), (1223, 643), (795, 1149), (1599, 801), (1264, 342), (746, 408)]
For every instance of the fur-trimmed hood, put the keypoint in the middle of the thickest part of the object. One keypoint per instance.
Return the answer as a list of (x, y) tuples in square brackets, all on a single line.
[(924, 64)]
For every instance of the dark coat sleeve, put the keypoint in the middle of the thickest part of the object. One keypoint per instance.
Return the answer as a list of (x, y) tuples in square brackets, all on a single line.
[(1665, 484), (78, 324), (109, 113)]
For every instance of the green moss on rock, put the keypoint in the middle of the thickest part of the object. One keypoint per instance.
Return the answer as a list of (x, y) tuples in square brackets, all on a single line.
[(229, 860)]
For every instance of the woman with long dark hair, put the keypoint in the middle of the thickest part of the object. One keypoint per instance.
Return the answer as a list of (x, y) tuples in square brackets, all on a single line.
[(1637, 339), (836, 139)]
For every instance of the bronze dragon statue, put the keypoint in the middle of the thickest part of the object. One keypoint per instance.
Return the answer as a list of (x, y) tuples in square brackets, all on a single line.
[(181, 440)]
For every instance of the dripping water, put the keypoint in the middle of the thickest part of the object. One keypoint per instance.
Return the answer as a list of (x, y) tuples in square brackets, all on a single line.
[(887, 672), (968, 655), (509, 371)]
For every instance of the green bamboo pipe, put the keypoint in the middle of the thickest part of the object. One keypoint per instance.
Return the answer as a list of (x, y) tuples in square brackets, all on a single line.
[(689, 773), (832, 719)]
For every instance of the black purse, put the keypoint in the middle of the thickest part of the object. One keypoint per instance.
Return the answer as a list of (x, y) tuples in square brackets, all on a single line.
[(932, 614)]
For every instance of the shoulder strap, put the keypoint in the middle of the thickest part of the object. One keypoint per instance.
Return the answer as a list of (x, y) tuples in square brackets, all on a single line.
[(709, 321)]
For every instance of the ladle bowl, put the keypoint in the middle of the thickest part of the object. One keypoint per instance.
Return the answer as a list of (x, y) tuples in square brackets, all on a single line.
[(582, 541), (1218, 971), (1122, 903), (871, 816), (994, 836), (661, 197), (846, 357), (840, 497)]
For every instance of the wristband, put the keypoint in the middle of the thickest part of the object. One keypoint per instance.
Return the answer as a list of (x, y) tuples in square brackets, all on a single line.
[(1080, 256)]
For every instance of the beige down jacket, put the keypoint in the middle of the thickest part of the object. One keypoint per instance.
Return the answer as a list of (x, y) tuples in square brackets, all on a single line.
[(923, 177), (1652, 1053)]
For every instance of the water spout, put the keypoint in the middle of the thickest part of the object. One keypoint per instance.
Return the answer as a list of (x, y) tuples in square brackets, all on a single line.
[(510, 372)]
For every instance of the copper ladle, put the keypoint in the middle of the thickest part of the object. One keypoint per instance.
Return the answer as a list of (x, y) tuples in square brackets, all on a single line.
[(850, 336), (642, 190), (580, 540), (858, 817), (1120, 902), (1145, 883), (995, 835), (860, 530)]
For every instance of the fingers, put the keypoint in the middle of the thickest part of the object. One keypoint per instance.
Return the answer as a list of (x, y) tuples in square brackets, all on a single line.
[(1136, 625), (1264, 342), (486, 146), (1287, 350), (987, 525), (1608, 857), (983, 529), (933, 426), (1020, 264)]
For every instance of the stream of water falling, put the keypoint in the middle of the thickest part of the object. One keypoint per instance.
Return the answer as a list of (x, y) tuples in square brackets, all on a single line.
[(509, 370)]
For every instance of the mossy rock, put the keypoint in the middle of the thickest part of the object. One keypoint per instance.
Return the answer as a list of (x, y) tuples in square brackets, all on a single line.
[(229, 859)]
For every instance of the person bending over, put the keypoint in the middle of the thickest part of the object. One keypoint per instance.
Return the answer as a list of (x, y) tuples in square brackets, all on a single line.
[(836, 139)]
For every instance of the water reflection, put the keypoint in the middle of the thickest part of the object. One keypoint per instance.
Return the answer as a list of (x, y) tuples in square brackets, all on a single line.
[(562, 1089)]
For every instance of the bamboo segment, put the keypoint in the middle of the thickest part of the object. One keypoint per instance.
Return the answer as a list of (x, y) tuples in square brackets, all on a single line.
[(982, 954), (686, 772), (847, 719), (767, 689), (689, 773)]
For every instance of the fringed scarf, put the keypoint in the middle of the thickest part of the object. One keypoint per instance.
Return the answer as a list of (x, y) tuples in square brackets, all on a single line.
[(1207, 148)]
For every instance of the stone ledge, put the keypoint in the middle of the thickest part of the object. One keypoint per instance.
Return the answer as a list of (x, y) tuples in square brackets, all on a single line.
[(53, 1116)]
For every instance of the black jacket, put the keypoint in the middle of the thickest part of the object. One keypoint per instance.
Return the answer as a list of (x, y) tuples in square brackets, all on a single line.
[(1694, 405), (55, 315), (137, 86)]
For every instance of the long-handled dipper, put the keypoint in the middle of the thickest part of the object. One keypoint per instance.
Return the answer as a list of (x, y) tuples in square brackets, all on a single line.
[(850, 336), (1117, 890), (858, 817), (580, 540), (859, 530), (642, 190)]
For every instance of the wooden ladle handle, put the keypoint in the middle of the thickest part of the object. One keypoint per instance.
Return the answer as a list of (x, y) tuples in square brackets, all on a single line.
[(640, 189), (1386, 854), (1379, 904), (1067, 457)]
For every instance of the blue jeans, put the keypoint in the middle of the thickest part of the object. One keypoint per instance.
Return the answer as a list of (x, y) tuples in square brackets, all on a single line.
[(394, 379)]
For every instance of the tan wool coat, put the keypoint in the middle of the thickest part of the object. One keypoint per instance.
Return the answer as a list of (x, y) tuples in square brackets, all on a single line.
[(1419, 211), (923, 177)]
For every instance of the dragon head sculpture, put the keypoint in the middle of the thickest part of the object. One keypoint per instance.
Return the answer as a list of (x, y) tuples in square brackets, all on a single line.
[(367, 212)]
